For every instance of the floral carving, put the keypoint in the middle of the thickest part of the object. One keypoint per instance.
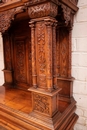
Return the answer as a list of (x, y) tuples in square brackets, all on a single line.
[(41, 55), (41, 50), (41, 103)]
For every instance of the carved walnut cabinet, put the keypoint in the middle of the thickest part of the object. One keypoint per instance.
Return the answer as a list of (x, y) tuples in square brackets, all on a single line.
[(37, 57)]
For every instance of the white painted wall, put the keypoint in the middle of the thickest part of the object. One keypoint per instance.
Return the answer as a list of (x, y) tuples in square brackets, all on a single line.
[(1, 61), (79, 64)]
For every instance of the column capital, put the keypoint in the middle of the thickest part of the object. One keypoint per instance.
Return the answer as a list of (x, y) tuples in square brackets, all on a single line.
[(48, 8), (50, 22)]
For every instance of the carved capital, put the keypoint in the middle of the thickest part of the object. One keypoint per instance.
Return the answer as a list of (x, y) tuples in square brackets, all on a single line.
[(50, 22), (42, 10), (32, 24)]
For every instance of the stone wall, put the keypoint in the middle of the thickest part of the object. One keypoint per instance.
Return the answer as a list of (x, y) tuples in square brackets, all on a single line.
[(79, 63)]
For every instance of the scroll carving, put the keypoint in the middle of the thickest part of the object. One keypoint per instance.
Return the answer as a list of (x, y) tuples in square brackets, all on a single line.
[(43, 10), (41, 103)]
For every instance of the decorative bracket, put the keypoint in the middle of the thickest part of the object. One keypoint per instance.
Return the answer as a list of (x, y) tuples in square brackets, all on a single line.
[(7, 16)]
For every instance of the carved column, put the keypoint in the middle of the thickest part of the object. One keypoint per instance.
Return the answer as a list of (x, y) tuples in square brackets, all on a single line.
[(44, 61), (33, 51)]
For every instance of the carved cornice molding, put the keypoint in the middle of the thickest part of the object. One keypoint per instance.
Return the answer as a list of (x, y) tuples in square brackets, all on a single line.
[(43, 10), (70, 3), (7, 16), (34, 2)]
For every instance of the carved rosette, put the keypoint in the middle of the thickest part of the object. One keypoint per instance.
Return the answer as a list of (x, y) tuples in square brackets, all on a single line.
[(42, 10)]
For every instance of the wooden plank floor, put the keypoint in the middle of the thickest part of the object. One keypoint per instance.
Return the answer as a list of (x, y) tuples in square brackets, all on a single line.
[(16, 98)]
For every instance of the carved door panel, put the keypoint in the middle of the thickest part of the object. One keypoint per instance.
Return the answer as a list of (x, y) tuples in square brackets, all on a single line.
[(22, 62)]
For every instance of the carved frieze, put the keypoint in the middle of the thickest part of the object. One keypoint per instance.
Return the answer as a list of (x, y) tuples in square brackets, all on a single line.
[(31, 2), (42, 10)]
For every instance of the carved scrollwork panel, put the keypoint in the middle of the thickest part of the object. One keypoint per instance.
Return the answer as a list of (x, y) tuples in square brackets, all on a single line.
[(41, 103)]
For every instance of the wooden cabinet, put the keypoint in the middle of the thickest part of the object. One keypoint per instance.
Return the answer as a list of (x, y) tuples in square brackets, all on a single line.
[(37, 57)]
